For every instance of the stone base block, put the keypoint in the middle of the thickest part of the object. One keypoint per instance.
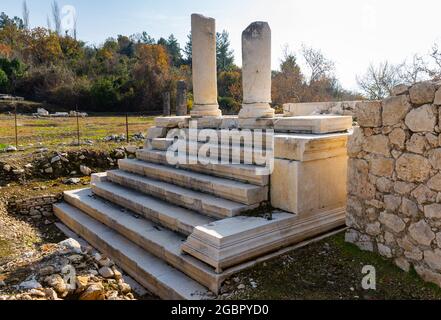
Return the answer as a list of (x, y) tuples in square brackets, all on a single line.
[(305, 188), (313, 124), (230, 242)]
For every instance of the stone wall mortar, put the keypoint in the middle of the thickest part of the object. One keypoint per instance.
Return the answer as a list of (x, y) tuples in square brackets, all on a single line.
[(36, 207), (394, 179)]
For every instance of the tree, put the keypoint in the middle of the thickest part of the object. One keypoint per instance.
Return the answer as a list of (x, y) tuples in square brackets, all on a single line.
[(224, 54), (288, 83), (378, 82), (319, 66), (5, 22), (56, 16), (188, 50), (4, 81), (25, 15), (173, 48), (143, 38)]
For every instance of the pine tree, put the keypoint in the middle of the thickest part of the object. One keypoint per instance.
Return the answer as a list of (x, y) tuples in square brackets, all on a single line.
[(224, 54)]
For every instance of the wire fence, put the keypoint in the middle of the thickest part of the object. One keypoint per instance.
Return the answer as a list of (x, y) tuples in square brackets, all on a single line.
[(22, 130)]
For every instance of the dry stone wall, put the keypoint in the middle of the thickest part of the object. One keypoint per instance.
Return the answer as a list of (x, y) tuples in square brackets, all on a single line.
[(394, 179)]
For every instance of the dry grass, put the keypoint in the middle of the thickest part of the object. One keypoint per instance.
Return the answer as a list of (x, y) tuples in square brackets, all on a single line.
[(52, 131)]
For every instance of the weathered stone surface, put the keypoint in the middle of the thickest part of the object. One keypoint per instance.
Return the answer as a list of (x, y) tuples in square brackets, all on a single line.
[(435, 183), (422, 119), (384, 185), (403, 188), (358, 179), (156, 132), (432, 140), (377, 144), (409, 208), (392, 203), (421, 93), (382, 167), (403, 264), (373, 229), (395, 110), (384, 251), (413, 168), (397, 138), (428, 275), (435, 158), (355, 142), (437, 100), (392, 222), (417, 144), (433, 259), (423, 194), (433, 211), (422, 233), (93, 292), (368, 113), (400, 89)]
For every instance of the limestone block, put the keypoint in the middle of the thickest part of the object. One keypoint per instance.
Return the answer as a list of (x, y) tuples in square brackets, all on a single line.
[(368, 114), (435, 183), (397, 138), (435, 158), (413, 168), (254, 123), (422, 233), (307, 187), (358, 179), (437, 100), (308, 147), (382, 167), (392, 222), (395, 109), (172, 122), (433, 211), (315, 108), (156, 132), (422, 119), (377, 144), (400, 90), (181, 99), (204, 67), (313, 124), (256, 71), (423, 92)]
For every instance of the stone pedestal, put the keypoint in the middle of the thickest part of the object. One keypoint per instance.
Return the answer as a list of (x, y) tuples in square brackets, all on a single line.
[(166, 104), (181, 99), (256, 71), (203, 32)]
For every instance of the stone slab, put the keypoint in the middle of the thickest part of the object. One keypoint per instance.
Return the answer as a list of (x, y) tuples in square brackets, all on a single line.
[(309, 147), (230, 242), (172, 122), (224, 188), (304, 188), (313, 124), (197, 201), (162, 243), (239, 172), (152, 272), (314, 108)]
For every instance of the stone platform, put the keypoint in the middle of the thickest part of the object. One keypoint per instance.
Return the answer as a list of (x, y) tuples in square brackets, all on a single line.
[(183, 229)]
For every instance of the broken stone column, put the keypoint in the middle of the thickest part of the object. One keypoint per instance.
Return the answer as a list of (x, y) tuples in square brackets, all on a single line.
[(256, 71), (203, 33), (181, 99), (166, 104)]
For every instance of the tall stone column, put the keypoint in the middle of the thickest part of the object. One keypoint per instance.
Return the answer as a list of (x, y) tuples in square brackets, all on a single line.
[(203, 34), (256, 71), (181, 99)]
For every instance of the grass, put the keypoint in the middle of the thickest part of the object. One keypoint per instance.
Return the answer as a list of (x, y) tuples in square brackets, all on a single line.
[(332, 269), (51, 131)]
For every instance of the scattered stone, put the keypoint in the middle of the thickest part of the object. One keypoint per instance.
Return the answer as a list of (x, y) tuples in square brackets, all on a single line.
[(93, 292), (70, 245), (241, 287), (71, 181), (85, 170), (30, 284), (106, 272), (11, 149)]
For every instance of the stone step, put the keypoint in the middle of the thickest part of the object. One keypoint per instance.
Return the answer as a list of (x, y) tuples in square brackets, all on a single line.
[(151, 272), (197, 201), (170, 216), (220, 187), (155, 239), (246, 173)]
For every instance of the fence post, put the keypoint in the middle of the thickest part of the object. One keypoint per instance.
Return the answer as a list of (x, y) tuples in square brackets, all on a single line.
[(127, 128), (16, 126), (78, 125)]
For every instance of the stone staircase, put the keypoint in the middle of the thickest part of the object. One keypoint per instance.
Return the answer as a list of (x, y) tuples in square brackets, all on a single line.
[(142, 214)]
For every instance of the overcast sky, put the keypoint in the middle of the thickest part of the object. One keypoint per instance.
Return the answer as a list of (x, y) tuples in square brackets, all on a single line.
[(353, 33)]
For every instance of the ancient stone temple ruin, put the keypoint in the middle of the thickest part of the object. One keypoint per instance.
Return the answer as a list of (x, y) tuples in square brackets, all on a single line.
[(211, 195)]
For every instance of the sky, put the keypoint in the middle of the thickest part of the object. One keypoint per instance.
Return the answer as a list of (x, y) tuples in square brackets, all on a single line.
[(352, 33)]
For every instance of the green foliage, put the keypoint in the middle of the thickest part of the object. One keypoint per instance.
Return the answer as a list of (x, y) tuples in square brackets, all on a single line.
[(224, 54), (5, 21), (228, 105), (4, 81), (104, 94)]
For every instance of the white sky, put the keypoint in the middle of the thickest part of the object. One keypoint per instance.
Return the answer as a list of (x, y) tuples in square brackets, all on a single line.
[(353, 33)]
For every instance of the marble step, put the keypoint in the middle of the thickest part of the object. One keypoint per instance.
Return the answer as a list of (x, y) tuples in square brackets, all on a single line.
[(220, 187), (150, 271), (170, 216), (197, 201), (161, 242), (246, 173)]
